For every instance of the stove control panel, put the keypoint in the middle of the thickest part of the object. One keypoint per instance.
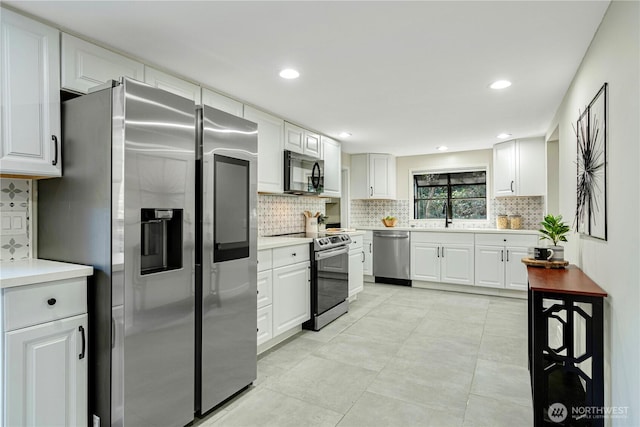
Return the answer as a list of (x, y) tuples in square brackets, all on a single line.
[(327, 242)]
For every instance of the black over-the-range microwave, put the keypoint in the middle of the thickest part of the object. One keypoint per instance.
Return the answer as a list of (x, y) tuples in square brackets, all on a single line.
[(303, 175)]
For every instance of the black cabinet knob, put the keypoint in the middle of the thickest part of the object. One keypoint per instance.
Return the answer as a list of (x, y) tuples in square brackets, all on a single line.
[(51, 301)]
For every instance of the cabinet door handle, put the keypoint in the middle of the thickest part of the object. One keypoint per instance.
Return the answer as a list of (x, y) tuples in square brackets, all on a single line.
[(507, 255), (293, 254), (370, 248), (363, 257), (55, 150), (84, 342), (371, 191), (511, 186), (438, 255), (51, 301), (443, 252), (502, 255)]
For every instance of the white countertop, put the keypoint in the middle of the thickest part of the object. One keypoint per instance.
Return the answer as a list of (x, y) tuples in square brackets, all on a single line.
[(454, 230), (282, 241), (30, 271)]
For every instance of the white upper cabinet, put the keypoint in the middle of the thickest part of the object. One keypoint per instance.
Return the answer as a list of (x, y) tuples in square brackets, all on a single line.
[(221, 102), (302, 141), (30, 97), (332, 157), (173, 84), (373, 176), (519, 168), (85, 65), (270, 149)]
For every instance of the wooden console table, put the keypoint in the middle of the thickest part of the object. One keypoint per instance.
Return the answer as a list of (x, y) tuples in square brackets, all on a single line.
[(558, 378)]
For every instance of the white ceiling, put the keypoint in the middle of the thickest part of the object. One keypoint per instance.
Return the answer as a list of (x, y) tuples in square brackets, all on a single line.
[(402, 77)]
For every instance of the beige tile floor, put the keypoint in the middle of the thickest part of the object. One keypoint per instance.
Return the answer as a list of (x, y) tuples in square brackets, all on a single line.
[(400, 357)]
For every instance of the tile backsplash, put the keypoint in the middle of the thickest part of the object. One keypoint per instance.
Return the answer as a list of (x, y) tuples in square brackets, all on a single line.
[(284, 214), (15, 209), (368, 213)]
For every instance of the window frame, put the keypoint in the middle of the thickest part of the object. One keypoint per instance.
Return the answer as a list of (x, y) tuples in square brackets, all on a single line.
[(479, 168)]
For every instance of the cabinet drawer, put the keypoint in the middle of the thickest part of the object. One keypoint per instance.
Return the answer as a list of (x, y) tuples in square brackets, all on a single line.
[(30, 305), (442, 238), (507, 239), (265, 260), (265, 324), (290, 255), (265, 288), (356, 243)]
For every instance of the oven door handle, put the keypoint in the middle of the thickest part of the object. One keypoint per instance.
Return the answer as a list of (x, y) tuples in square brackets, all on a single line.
[(331, 253)]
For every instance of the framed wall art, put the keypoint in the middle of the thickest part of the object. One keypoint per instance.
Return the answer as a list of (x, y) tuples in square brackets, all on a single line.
[(591, 132)]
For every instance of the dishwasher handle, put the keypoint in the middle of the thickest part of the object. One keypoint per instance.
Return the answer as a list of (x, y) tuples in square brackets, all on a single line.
[(399, 235)]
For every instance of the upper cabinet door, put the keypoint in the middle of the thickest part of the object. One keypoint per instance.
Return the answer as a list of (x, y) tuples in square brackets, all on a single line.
[(382, 176), (332, 167), (270, 150), (30, 97), (312, 145), (85, 65), (221, 102), (504, 169), (293, 138), (172, 84), (519, 168)]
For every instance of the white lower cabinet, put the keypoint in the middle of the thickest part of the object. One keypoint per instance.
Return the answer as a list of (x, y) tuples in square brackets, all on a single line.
[(265, 324), (498, 260), (291, 296), (45, 354), (47, 374), (442, 257), (356, 266), (284, 291)]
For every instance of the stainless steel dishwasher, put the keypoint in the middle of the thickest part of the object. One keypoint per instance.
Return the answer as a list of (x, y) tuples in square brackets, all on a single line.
[(391, 257)]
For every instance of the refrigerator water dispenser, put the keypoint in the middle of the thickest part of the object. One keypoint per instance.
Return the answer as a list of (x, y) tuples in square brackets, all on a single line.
[(160, 240)]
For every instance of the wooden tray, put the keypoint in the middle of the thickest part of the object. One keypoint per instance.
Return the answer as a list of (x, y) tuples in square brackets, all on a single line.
[(543, 263)]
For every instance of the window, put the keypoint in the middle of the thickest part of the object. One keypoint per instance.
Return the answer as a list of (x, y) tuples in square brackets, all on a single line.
[(465, 194)]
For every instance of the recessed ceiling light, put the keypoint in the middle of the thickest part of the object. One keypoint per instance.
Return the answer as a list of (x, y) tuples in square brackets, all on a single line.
[(344, 135), (500, 84), (442, 148), (504, 135), (289, 73)]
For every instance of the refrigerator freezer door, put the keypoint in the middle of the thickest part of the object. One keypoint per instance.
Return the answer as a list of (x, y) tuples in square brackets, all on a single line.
[(229, 256), (159, 321)]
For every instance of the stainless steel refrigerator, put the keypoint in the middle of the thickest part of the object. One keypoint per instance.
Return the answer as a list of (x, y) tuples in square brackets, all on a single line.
[(226, 315), (126, 205), (160, 198)]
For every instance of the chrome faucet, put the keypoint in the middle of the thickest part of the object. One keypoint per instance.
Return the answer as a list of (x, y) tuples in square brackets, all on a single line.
[(445, 211)]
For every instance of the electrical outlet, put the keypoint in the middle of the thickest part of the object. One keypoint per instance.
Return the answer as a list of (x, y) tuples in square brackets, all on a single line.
[(96, 421)]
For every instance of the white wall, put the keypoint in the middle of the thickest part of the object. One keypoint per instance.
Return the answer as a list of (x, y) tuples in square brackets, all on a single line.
[(613, 57), (451, 161)]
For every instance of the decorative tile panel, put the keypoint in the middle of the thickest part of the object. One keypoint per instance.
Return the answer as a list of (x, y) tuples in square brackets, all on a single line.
[(284, 214), (369, 213), (15, 210)]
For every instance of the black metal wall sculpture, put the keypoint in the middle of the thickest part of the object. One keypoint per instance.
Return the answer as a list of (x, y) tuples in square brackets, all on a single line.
[(591, 131)]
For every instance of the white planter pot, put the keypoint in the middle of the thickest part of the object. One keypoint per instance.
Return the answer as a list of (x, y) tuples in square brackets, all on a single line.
[(558, 253)]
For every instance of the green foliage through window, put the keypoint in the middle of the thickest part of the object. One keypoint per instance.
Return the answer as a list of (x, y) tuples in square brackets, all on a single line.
[(464, 192)]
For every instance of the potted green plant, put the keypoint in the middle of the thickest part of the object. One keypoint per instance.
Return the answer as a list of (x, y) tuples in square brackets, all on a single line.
[(555, 230), (322, 222)]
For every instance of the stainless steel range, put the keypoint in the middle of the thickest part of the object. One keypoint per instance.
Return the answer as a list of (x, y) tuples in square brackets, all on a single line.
[(329, 279)]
